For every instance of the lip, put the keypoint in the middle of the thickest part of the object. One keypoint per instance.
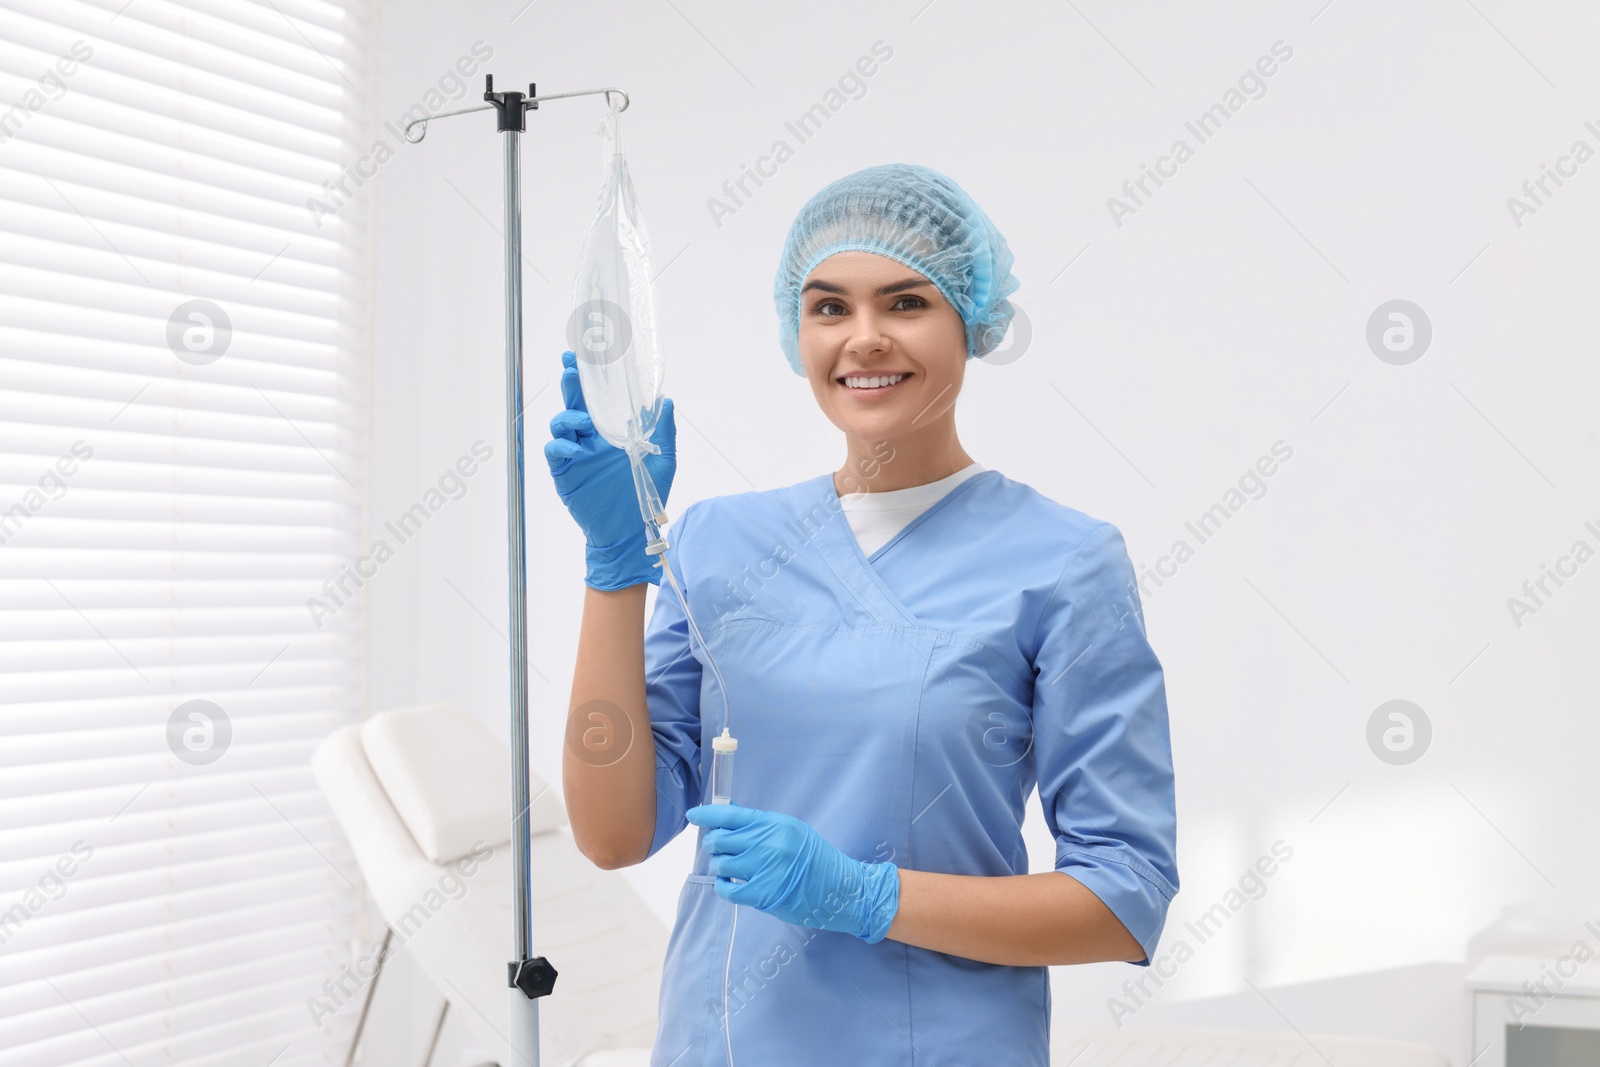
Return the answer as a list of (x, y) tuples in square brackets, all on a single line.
[(881, 390)]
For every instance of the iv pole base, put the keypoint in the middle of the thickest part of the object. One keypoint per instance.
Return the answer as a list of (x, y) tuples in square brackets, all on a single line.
[(526, 982), (522, 1037)]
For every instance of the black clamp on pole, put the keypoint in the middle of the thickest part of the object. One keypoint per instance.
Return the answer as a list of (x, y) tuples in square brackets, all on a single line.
[(510, 105), (535, 977)]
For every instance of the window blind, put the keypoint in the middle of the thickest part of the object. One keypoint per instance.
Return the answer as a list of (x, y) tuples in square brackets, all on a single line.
[(182, 462)]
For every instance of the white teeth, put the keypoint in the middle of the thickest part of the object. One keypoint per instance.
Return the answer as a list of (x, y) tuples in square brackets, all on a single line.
[(872, 383)]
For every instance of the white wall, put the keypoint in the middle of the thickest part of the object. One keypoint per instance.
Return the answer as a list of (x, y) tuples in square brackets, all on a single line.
[(1168, 353)]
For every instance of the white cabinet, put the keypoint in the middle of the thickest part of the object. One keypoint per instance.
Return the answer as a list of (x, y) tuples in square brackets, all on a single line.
[(1532, 1011)]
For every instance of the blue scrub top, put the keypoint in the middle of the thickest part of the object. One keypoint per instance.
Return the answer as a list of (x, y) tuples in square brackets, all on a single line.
[(905, 705)]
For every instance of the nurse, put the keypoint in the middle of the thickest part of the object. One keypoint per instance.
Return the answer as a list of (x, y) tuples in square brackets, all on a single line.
[(911, 645)]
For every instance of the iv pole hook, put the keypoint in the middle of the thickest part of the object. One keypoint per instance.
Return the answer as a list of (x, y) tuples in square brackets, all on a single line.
[(529, 101)]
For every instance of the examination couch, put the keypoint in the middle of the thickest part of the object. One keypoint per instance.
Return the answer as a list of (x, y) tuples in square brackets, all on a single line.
[(423, 795)]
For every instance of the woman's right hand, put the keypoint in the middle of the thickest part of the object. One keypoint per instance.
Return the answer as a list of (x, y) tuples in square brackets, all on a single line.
[(593, 479)]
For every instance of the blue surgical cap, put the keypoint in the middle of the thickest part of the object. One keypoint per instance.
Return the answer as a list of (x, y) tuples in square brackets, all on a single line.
[(917, 216)]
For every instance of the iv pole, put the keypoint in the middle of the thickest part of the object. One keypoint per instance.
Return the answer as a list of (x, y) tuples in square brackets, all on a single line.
[(528, 977)]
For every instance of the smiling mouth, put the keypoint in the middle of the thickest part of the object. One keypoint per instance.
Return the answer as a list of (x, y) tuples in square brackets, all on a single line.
[(871, 385)]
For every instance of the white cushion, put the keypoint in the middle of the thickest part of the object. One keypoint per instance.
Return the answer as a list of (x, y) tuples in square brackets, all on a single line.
[(431, 761)]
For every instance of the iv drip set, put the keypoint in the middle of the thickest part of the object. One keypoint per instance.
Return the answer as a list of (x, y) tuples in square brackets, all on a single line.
[(616, 339), (614, 333)]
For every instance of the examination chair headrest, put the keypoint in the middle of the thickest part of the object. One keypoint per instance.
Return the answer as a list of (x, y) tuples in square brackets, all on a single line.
[(448, 778)]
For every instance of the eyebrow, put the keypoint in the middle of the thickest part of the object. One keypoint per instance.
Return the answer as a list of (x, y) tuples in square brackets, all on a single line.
[(897, 287)]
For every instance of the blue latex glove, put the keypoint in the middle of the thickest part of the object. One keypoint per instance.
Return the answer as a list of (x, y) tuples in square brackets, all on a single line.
[(593, 479), (791, 873)]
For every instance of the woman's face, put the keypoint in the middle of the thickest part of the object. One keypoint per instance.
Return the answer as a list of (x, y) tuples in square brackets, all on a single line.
[(867, 316)]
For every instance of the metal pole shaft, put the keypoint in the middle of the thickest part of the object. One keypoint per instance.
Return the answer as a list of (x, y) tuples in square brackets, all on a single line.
[(523, 1011), (517, 570)]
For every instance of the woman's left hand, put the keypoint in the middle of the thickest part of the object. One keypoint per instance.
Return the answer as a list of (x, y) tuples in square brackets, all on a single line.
[(787, 870)]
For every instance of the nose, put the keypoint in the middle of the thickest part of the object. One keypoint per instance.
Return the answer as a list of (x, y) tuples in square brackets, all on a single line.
[(867, 336)]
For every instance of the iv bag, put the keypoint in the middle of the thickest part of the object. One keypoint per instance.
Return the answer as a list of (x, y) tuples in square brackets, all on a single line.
[(613, 329)]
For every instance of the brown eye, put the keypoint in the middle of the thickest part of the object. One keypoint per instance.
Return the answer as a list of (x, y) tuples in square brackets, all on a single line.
[(915, 303), (828, 308)]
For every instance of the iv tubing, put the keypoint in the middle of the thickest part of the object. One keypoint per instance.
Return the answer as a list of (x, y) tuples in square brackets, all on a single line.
[(657, 545), (654, 515)]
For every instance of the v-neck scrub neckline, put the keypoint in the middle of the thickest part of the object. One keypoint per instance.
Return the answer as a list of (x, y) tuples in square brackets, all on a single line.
[(875, 518)]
